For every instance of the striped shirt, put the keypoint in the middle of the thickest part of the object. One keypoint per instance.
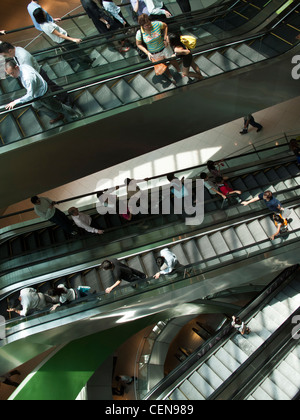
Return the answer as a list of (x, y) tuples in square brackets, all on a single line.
[(154, 41)]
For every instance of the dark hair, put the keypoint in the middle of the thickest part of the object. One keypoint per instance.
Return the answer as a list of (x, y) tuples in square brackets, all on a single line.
[(106, 265), (5, 47), (10, 62), (34, 199), (160, 261), (238, 321), (268, 195), (170, 177), (143, 19), (39, 15), (211, 165), (203, 175), (219, 179), (277, 218), (175, 40)]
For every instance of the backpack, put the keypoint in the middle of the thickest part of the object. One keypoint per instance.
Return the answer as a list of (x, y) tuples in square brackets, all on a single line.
[(189, 41), (283, 222)]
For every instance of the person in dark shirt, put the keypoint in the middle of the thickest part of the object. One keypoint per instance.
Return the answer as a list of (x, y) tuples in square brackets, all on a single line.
[(121, 272), (271, 202)]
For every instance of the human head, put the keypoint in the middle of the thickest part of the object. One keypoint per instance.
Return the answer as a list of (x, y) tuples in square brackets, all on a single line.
[(170, 177), (12, 69), (211, 164), (107, 265), (35, 200), (73, 211), (277, 218), (39, 15), (161, 263), (203, 175), (144, 21), (268, 195), (7, 50), (219, 180), (175, 40)]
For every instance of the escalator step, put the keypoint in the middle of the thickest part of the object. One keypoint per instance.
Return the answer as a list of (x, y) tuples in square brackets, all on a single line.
[(9, 129), (106, 98)]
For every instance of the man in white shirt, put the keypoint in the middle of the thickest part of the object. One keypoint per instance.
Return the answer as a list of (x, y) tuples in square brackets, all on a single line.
[(35, 5), (44, 208), (22, 56), (31, 301), (83, 221), (37, 87), (167, 262), (157, 10)]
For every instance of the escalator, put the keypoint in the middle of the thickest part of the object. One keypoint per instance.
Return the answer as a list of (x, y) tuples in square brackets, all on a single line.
[(230, 256), (140, 82), (42, 247), (107, 59), (232, 366)]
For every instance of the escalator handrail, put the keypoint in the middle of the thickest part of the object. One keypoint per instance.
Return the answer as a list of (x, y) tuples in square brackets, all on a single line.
[(161, 176), (200, 271), (227, 331), (286, 201), (279, 342)]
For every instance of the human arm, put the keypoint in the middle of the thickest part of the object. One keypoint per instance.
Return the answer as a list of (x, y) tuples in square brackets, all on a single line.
[(253, 200), (109, 289), (66, 37), (140, 45), (272, 237)]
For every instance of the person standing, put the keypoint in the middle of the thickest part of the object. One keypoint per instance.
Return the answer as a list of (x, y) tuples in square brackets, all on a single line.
[(32, 7), (249, 120), (167, 262), (31, 301), (66, 42), (37, 88), (101, 20), (22, 56), (157, 10), (152, 39), (181, 51), (45, 208), (184, 5), (83, 221), (121, 272), (271, 202)]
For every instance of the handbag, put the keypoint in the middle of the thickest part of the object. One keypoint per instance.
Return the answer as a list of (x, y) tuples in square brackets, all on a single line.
[(159, 68), (189, 41)]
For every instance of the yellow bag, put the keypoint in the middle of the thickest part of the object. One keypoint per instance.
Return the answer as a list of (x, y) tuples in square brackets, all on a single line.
[(189, 41)]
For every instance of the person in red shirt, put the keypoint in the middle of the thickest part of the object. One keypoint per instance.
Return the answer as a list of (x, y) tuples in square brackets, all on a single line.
[(225, 188)]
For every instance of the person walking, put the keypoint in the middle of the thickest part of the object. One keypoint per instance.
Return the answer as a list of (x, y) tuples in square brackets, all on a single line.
[(44, 208), (37, 88), (121, 272), (249, 120)]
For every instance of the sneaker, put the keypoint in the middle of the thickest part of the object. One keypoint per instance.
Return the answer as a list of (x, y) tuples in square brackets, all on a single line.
[(244, 132), (74, 233), (259, 129)]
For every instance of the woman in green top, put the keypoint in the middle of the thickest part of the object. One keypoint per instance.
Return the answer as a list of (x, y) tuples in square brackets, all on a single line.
[(152, 39)]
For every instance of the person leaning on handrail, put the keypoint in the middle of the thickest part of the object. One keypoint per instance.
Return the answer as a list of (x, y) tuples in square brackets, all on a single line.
[(152, 39)]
